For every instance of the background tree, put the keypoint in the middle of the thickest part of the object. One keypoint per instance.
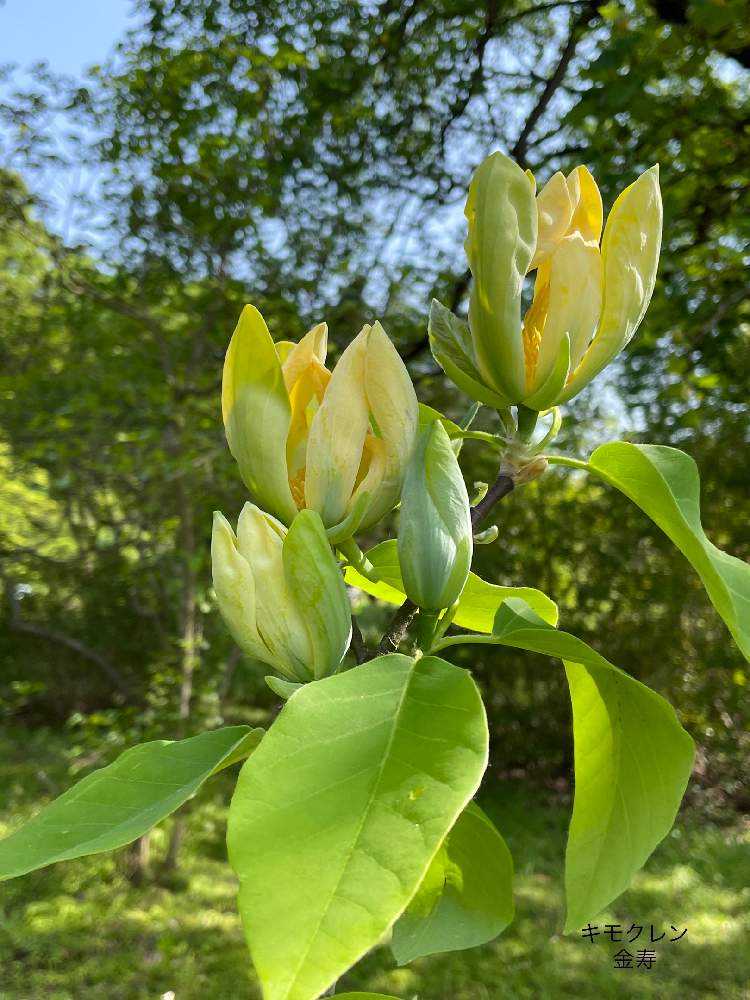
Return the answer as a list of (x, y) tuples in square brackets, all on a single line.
[(314, 159)]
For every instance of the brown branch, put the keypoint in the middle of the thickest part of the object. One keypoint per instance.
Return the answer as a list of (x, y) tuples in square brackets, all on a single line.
[(398, 628), (502, 486), (60, 639), (554, 81), (359, 647)]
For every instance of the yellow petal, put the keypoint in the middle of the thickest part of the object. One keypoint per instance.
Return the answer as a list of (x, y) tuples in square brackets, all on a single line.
[(392, 403), (573, 303), (532, 179), (337, 436), (306, 379), (555, 210), (312, 349), (256, 412), (534, 323), (260, 540), (630, 257), (588, 214)]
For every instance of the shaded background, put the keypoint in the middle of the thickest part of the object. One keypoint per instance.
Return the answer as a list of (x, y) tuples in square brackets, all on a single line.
[(313, 158)]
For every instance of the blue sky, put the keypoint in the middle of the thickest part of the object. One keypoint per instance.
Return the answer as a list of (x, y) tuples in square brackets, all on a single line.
[(69, 34)]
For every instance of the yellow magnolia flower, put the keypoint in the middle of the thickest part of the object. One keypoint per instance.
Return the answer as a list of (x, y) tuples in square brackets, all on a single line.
[(281, 592), (304, 437), (589, 297)]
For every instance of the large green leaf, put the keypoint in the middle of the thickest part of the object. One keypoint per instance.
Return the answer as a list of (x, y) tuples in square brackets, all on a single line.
[(363, 996), (117, 804), (664, 483), (479, 599), (338, 815), (466, 898), (632, 762)]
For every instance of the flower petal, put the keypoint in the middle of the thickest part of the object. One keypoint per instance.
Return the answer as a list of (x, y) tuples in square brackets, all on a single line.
[(392, 403), (337, 436), (317, 587), (502, 236), (555, 210), (630, 257), (280, 624), (235, 589), (256, 412), (588, 213), (574, 304)]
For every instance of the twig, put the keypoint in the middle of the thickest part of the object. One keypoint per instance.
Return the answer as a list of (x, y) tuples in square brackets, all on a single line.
[(359, 648), (398, 628), (502, 486)]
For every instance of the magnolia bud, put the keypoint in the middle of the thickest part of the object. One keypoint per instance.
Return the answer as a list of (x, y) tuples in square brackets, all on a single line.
[(435, 535), (281, 592)]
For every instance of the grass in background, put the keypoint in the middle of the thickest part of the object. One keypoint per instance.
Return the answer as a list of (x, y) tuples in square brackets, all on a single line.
[(82, 931)]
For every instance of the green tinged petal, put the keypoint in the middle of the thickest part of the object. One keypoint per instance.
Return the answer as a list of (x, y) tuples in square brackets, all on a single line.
[(317, 588), (392, 403), (280, 623), (256, 412), (547, 393), (450, 343), (502, 216), (435, 535), (234, 585)]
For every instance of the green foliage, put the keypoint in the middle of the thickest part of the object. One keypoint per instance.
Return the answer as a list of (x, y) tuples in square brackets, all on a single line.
[(477, 604), (83, 930), (621, 730), (312, 157), (665, 484), (359, 780), (466, 897), (120, 802)]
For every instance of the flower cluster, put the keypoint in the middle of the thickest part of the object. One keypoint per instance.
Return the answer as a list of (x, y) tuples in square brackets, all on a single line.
[(326, 454)]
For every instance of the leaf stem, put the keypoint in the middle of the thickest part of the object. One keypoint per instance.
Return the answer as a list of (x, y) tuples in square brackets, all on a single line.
[(456, 640), (573, 463), (358, 560)]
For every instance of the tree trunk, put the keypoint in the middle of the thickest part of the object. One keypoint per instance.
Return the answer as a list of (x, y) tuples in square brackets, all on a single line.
[(191, 639), (137, 860)]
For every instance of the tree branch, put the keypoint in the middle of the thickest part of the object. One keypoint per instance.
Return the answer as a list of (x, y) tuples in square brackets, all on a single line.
[(578, 23), (502, 486)]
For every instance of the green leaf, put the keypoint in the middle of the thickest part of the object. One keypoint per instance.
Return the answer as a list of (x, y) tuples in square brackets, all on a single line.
[(479, 599), (119, 803), (466, 898), (428, 414), (338, 815), (632, 762), (664, 483), (364, 996)]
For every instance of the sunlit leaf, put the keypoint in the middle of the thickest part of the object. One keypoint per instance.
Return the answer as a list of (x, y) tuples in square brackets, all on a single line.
[(632, 762), (664, 483), (119, 803), (479, 599), (338, 815)]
